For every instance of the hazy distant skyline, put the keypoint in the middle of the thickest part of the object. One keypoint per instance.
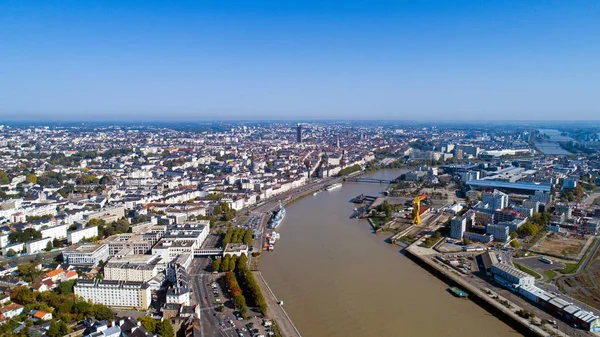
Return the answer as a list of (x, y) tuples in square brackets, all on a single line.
[(393, 60)]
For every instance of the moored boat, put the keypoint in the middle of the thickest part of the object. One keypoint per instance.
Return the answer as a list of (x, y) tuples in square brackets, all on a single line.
[(458, 292)]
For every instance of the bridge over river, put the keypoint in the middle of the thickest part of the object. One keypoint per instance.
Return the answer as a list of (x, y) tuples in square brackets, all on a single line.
[(369, 180)]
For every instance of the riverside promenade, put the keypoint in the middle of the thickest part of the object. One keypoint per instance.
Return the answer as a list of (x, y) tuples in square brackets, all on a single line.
[(423, 256), (276, 311)]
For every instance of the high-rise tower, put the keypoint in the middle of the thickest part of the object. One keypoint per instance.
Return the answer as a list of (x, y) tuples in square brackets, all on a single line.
[(299, 133)]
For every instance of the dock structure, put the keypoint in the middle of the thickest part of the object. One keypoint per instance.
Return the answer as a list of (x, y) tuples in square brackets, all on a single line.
[(394, 238), (359, 199)]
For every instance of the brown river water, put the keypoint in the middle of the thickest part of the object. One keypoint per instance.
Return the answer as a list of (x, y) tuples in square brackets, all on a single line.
[(338, 279)]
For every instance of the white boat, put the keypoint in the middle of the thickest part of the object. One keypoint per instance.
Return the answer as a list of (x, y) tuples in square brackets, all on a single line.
[(333, 187)]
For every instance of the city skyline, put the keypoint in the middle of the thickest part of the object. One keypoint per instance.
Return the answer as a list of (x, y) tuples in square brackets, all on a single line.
[(299, 60)]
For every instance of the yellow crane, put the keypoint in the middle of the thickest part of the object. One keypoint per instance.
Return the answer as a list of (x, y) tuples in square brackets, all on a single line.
[(417, 208)]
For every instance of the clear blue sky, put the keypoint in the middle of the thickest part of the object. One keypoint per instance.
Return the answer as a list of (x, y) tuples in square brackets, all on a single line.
[(314, 59)]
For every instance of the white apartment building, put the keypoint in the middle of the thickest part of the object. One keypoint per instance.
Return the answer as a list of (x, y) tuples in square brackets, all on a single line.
[(4, 239), (56, 232), (16, 247), (458, 226), (500, 232), (197, 233), (179, 295), (495, 200), (169, 250), (86, 255), (115, 293), (137, 268), (140, 244), (80, 234), (108, 215), (37, 245)]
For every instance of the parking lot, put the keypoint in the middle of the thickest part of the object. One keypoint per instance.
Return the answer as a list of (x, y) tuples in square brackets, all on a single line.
[(229, 319), (534, 262)]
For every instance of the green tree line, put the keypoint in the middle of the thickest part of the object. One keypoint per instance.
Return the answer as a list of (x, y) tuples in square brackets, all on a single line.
[(238, 235), (350, 169), (236, 293)]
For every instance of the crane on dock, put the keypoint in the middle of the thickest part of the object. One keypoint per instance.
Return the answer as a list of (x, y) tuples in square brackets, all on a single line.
[(417, 208)]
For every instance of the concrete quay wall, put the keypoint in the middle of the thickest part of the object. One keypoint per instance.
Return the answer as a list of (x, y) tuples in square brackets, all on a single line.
[(478, 296)]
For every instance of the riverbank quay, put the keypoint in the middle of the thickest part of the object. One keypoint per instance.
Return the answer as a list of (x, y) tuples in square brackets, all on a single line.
[(276, 311), (484, 297)]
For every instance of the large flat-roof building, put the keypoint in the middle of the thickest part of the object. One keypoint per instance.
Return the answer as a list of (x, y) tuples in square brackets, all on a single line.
[(557, 305), (137, 268), (508, 274), (115, 293), (85, 233), (86, 255), (108, 215), (139, 243), (509, 187), (38, 245)]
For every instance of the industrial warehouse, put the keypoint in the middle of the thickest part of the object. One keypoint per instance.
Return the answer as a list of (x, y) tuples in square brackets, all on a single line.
[(524, 284)]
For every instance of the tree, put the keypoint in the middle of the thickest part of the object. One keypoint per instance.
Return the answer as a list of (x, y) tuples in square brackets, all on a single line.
[(22, 295), (65, 287), (216, 264), (228, 216), (102, 312), (57, 329), (224, 264), (29, 271), (528, 229), (242, 262), (56, 243), (248, 237), (513, 235), (4, 179), (148, 323), (466, 241), (11, 253), (240, 304), (24, 235), (515, 244), (217, 210), (49, 246), (32, 178), (232, 263), (165, 329)]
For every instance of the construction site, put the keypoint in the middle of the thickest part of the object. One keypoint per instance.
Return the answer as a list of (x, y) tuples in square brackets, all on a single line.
[(584, 284), (568, 247)]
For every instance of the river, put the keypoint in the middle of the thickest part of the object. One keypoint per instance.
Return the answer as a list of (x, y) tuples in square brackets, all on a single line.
[(552, 146), (338, 279)]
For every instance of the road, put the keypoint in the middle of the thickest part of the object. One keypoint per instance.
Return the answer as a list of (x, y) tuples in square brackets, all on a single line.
[(588, 257), (203, 295), (271, 203)]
